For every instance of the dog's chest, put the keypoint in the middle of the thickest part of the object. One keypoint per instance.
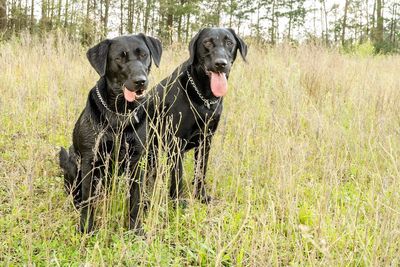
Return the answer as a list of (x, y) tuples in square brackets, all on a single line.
[(122, 142), (194, 120)]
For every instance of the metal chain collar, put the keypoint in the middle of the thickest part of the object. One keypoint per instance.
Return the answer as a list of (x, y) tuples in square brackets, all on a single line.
[(133, 113), (207, 102)]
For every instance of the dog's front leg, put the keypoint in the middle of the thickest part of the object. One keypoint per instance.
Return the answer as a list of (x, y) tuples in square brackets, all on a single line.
[(175, 160), (135, 199), (86, 220), (201, 160)]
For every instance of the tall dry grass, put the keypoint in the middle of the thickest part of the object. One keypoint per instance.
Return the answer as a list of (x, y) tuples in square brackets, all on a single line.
[(304, 166)]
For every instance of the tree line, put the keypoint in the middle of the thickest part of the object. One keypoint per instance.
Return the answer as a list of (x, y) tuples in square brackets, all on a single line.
[(332, 23)]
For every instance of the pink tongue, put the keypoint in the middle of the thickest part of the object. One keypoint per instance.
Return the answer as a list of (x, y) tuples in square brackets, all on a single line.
[(219, 85), (129, 96)]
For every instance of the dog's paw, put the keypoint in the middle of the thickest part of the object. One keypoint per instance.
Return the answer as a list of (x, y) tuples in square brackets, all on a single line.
[(136, 228), (203, 197), (138, 231), (206, 199), (84, 230), (180, 203)]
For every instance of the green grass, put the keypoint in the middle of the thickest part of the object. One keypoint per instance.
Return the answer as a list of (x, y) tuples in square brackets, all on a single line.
[(304, 166)]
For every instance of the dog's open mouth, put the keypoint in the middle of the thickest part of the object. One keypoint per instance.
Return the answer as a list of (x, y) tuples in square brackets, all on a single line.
[(218, 83), (131, 96)]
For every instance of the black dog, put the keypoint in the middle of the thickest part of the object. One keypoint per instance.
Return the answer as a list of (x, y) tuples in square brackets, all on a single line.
[(109, 124), (186, 106)]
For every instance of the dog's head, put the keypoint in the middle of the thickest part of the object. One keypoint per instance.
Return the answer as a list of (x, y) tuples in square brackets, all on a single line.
[(125, 61), (214, 50)]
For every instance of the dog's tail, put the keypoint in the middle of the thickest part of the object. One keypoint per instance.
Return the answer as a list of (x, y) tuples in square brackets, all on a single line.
[(69, 163)]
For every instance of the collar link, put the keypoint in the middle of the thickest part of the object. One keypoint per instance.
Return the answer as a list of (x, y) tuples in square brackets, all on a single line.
[(206, 101), (130, 114)]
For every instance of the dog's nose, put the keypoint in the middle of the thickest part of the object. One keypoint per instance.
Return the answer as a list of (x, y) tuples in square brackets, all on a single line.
[(220, 63), (140, 80)]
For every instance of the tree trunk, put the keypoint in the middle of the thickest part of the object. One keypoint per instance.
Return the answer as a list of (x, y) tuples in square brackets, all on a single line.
[(230, 14), (326, 23), (147, 15), (153, 16), (373, 22), (379, 22), (3, 16), (129, 23), (394, 23), (290, 20), (180, 28), (52, 14), (59, 13), (218, 13), (180, 19), (258, 28), (321, 20), (17, 16), (66, 14), (43, 20), (344, 24), (101, 15), (87, 33), (32, 22), (170, 21), (105, 20), (138, 17), (121, 28), (314, 10), (26, 22), (187, 27), (273, 24), (87, 10), (131, 12), (72, 13)]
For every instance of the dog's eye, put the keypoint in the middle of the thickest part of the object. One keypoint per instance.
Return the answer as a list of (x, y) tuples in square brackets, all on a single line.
[(229, 43), (140, 53), (121, 56), (208, 44), (124, 53)]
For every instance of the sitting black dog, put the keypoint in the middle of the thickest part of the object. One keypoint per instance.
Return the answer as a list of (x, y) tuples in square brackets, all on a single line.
[(109, 126), (186, 107)]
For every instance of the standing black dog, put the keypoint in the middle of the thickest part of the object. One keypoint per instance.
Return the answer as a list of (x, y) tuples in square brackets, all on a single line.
[(109, 124), (188, 104)]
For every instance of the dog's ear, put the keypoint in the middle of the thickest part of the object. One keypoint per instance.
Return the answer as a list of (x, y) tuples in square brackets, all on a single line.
[(241, 45), (193, 47), (155, 48), (97, 56)]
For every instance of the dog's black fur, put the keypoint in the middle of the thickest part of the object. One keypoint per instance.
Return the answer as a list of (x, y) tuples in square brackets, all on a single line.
[(110, 130), (177, 106)]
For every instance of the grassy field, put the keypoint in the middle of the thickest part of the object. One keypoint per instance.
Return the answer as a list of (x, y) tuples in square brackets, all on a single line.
[(305, 165)]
